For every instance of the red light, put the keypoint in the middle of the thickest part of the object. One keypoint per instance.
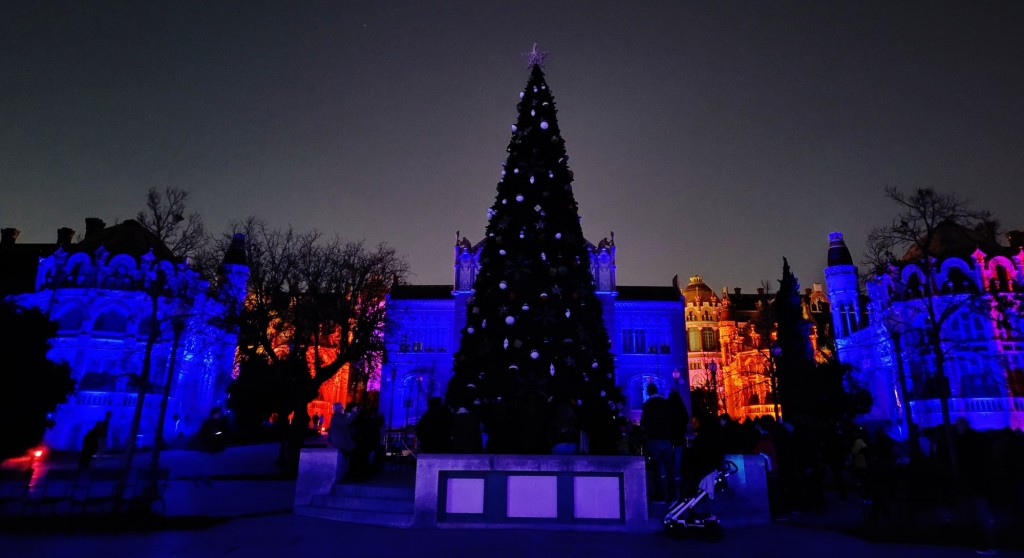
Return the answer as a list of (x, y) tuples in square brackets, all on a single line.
[(38, 453)]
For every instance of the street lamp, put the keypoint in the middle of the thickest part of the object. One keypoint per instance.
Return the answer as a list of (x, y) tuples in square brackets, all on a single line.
[(675, 376)]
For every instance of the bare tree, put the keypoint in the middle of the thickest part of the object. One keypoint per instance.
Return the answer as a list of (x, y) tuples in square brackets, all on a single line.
[(916, 236), (165, 216), (314, 306)]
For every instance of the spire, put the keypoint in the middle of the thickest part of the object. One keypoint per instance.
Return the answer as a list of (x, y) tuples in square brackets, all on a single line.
[(838, 253), (235, 253)]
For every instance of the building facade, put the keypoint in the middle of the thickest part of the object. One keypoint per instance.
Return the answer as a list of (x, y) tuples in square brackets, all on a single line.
[(729, 344), (124, 304), (974, 289), (645, 324)]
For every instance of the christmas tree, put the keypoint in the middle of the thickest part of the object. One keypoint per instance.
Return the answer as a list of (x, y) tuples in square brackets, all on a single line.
[(534, 340)]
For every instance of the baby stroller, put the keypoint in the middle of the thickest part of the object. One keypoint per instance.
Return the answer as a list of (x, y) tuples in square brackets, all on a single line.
[(683, 517)]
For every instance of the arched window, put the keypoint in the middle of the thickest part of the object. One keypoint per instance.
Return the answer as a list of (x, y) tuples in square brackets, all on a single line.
[(110, 324), (70, 320), (1002, 279), (914, 285), (957, 281)]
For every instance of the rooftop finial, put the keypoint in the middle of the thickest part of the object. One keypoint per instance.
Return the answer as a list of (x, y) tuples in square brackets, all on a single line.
[(535, 57)]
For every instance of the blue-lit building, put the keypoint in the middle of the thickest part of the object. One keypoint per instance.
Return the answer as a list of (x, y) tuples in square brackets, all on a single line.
[(883, 330), (104, 292), (646, 326)]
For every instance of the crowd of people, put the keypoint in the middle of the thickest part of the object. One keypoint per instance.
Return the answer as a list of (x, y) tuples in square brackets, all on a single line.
[(895, 479)]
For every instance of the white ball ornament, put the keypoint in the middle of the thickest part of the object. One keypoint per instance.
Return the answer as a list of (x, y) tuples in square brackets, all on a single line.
[(534, 355), (502, 251), (470, 330), (533, 112), (558, 235), (510, 320), (531, 179), (526, 307), (514, 128), (594, 365), (522, 94), (504, 202), (515, 171), (519, 198), (543, 124), (503, 285)]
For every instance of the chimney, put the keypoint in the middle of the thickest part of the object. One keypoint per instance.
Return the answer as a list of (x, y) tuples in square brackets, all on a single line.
[(760, 291), (9, 236), (93, 225), (736, 291), (65, 236)]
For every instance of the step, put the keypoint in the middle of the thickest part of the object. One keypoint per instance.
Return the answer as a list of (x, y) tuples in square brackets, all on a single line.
[(361, 517), (363, 504), (374, 491)]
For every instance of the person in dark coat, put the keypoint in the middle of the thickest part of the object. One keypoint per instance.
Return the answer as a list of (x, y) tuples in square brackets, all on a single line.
[(212, 439), (680, 430), (434, 429), (90, 445), (656, 421), (466, 437)]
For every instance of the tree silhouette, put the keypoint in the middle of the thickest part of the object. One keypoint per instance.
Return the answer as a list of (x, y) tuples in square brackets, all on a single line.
[(34, 384), (534, 335)]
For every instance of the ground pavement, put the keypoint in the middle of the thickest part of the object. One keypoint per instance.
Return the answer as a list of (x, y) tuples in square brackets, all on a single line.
[(245, 512)]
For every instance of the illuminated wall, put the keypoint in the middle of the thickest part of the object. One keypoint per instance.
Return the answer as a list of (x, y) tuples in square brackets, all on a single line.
[(982, 341), (646, 326), (103, 305)]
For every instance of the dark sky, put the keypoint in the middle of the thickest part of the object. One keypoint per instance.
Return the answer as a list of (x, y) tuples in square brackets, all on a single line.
[(713, 137)]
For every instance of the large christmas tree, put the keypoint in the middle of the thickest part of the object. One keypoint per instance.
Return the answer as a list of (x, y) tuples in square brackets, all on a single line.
[(534, 339)]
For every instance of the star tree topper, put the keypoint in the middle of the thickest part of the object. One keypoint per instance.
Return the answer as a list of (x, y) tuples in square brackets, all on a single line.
[(535, 57)]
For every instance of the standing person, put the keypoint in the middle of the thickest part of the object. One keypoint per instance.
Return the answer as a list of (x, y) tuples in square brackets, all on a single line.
[(213, 436), (466, 437), (102, 434), (434, 429), (656, 421), (680, 429), (565, 440), (339, 436), (90, 445)]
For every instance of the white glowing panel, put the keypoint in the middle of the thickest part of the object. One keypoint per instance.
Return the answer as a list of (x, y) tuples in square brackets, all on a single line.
[(532, 496), (596, 498), (465, 496)]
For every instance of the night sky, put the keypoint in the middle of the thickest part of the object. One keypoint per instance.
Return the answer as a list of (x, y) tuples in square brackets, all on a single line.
[(713, 137)]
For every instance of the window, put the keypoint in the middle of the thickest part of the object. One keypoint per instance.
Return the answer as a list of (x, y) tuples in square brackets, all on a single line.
[(70, 320), (110, 323), (693, 339), (426, 340), (708, 339), (634, 341)]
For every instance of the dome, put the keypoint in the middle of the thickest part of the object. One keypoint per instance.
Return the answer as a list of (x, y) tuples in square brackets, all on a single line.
[(698, 291)]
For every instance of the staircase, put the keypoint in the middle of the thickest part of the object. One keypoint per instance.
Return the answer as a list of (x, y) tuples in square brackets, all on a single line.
[(386, 500)]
